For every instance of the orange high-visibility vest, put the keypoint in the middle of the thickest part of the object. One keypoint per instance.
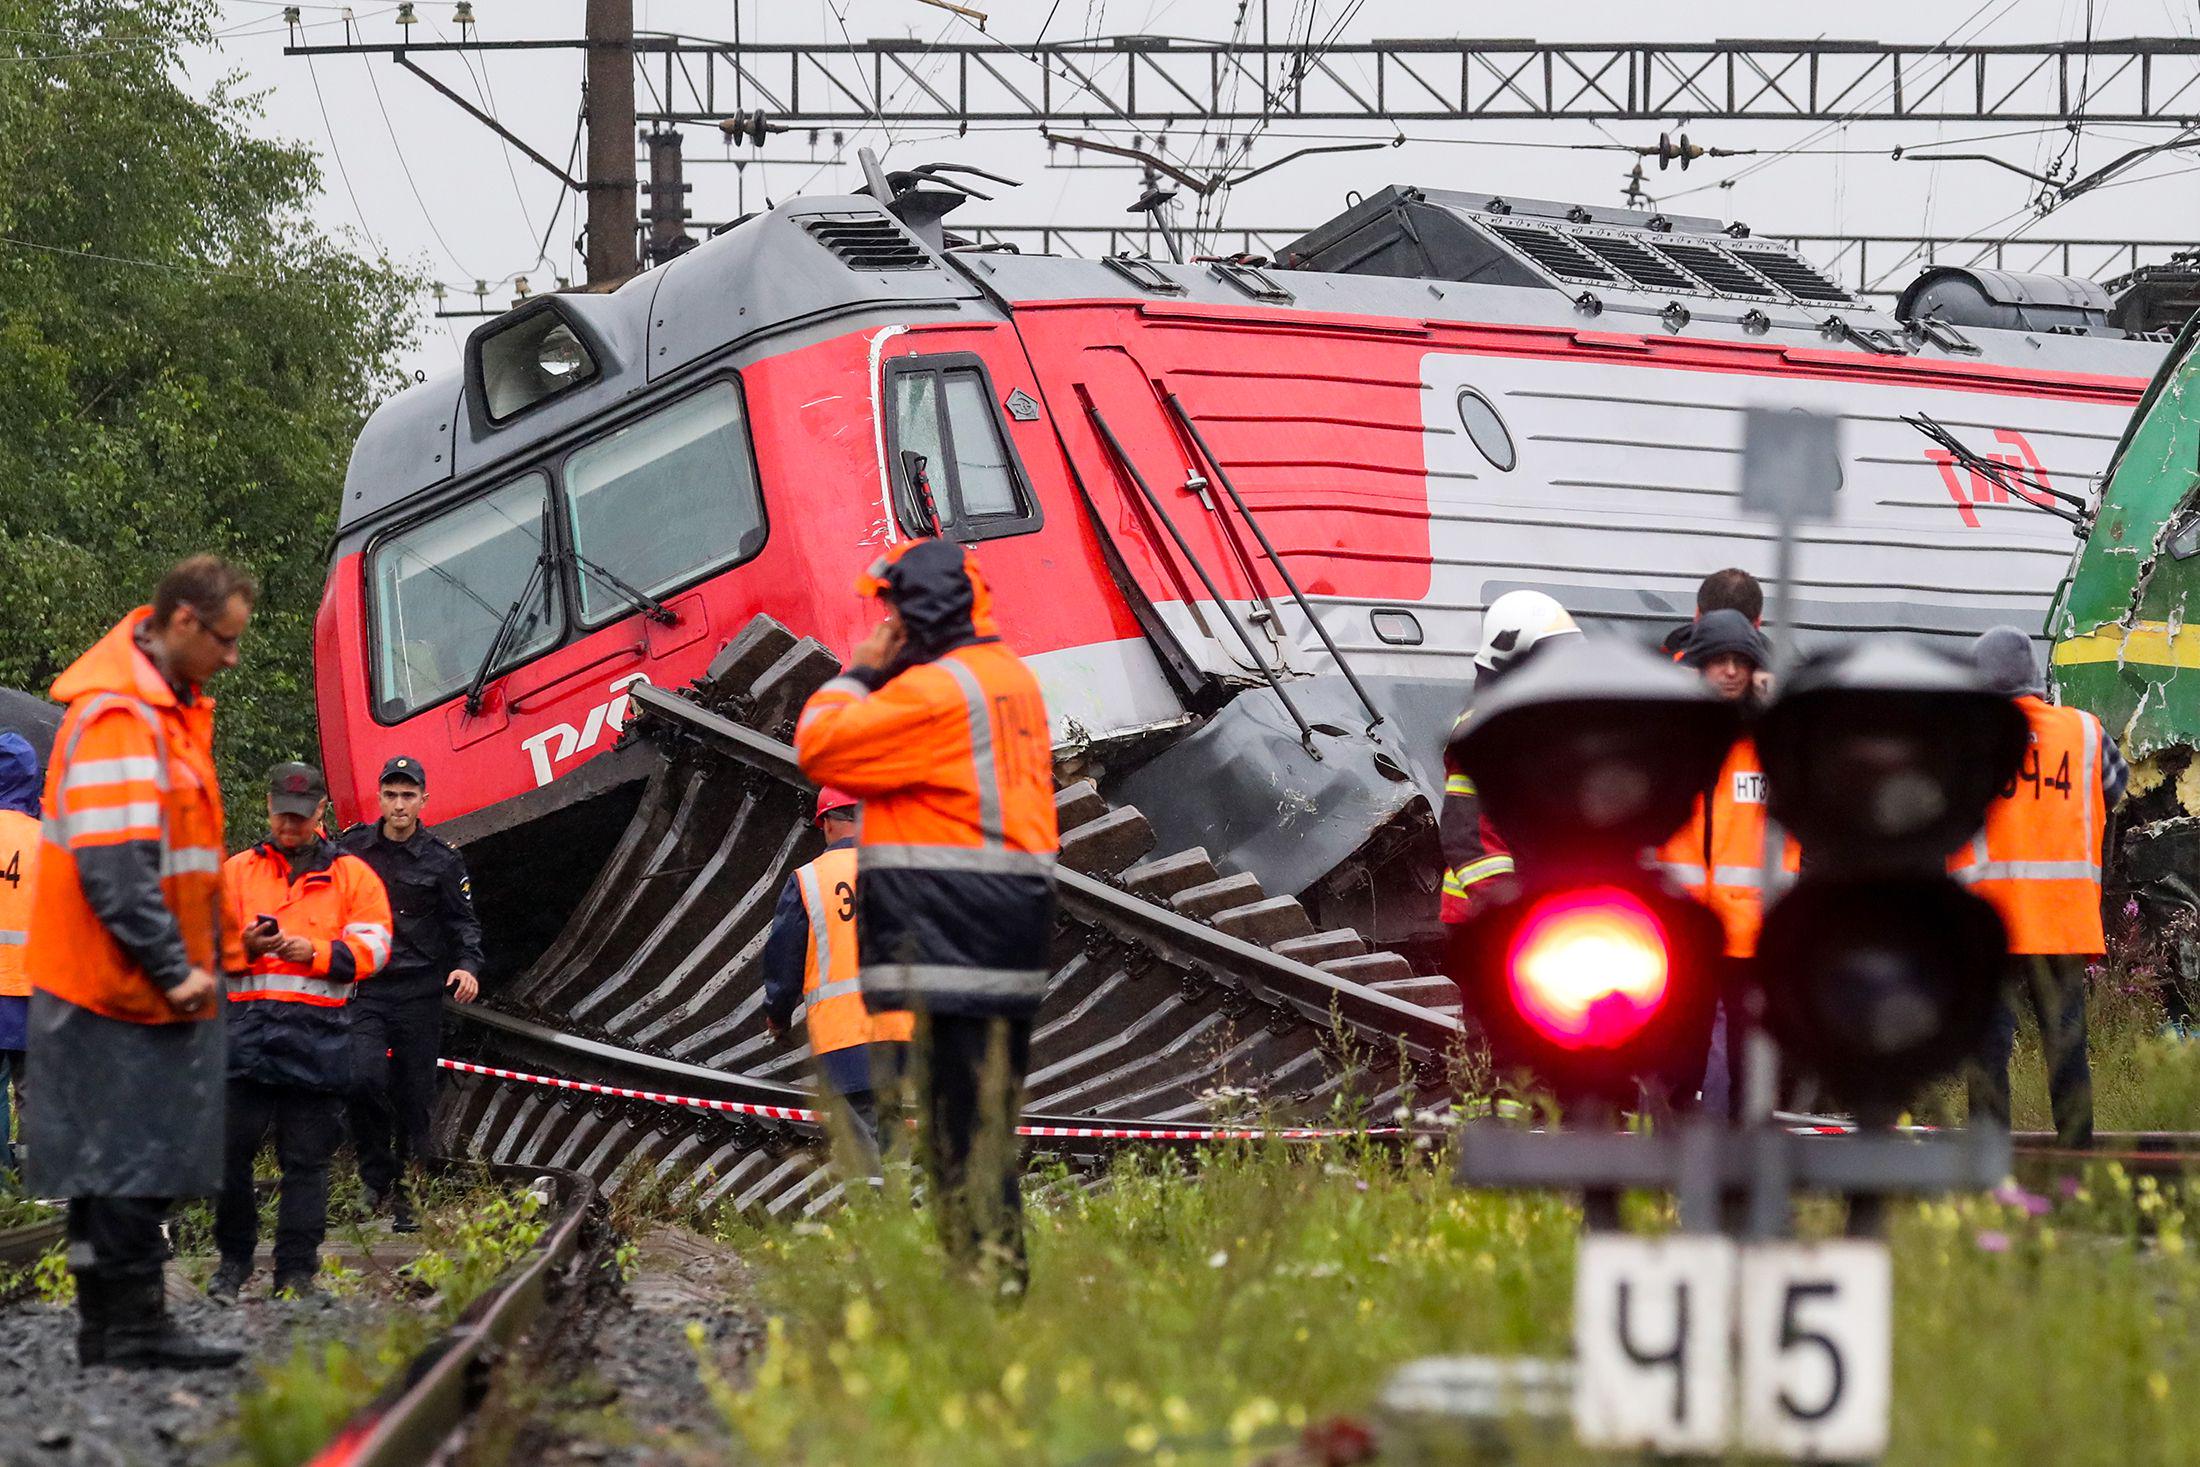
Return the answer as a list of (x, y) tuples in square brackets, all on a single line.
[(131, 763), (2038, 859), (19, 840), (832, 998), (341, 907), (1719, 854), (955, 768)]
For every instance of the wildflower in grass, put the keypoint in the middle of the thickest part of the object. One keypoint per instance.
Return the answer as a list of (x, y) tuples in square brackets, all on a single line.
[(1992, 1240), (1142, 1438)]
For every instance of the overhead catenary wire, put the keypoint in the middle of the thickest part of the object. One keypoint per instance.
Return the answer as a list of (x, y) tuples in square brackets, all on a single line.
[(404, 166)]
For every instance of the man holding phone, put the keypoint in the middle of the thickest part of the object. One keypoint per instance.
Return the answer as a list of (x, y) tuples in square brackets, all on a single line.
[(316, 922)]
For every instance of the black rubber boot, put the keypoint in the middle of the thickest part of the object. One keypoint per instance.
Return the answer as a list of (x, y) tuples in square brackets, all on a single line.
[(142, 1335), (91, 1317), (402, 1217), (228, 1281)]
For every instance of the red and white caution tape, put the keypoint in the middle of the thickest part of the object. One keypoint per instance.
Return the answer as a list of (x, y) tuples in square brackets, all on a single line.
[(811, 1117)]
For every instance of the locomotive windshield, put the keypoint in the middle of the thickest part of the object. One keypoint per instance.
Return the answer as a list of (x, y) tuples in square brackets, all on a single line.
[(441, 590), (659, 503), (668, 498)]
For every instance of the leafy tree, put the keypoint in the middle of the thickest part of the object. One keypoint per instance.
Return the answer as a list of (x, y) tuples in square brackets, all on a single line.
[(185, 358)]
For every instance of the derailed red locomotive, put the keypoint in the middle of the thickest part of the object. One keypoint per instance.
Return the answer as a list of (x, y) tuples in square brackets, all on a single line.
[(1241, 518)]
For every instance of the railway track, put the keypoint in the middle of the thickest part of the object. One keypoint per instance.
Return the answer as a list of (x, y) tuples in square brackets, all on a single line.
[(1175, 986), (424, 1413), (21, 1247)]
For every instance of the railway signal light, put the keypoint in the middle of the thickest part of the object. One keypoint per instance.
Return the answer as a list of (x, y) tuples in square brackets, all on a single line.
[(1599, 977), (1879, 972)]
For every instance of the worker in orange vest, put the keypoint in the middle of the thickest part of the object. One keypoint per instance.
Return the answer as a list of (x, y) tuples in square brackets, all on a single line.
[(316, 924), (810, 961), (126, 938), (942, 732), (2038, 860), (19, 840), (1718, 855)]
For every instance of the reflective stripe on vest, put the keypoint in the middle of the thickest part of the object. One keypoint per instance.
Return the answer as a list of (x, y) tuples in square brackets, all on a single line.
[(1715, 855), (956, 978), (375, 936), (2038, 859), (997, 860), (285, 987), (992, 832), (832, 995), (19, 839)]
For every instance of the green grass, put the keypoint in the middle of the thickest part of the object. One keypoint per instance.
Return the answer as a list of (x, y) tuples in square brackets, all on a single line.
[(2142, 1081), (1203, 1320), (471, 1233)]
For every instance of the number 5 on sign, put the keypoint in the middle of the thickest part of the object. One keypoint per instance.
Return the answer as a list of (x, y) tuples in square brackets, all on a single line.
[(1817, 1338), (1653, 1322)]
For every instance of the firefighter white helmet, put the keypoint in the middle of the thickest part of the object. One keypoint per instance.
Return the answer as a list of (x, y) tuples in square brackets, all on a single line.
[(1517, 621)]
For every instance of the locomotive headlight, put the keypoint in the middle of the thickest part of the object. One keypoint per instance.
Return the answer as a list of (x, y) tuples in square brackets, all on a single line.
[(527, 357), (561, 354)]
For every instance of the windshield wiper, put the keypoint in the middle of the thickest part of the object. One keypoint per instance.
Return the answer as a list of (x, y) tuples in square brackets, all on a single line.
[(480, 683), (640, 600)]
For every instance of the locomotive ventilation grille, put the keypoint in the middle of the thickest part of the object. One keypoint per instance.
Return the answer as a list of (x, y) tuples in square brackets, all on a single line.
[(867, 242), (1693, 265)]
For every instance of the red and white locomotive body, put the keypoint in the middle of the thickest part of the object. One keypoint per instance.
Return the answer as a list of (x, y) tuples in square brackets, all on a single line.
[(741, 430)]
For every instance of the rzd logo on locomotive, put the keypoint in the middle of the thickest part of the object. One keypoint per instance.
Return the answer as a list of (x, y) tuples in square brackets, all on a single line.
[(561, 742), (2025, 476)]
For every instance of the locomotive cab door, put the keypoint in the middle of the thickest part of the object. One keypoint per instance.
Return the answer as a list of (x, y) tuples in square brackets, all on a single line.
[(967, 452)]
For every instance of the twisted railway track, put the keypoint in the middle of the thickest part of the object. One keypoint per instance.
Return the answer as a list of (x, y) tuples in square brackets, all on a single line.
[(1174, 982)]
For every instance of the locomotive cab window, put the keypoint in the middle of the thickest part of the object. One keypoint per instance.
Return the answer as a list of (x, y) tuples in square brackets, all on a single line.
[(662, 501), (948, 452), (444, 587)]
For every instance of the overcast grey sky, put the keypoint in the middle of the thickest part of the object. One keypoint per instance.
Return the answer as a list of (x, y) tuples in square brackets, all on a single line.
[(408, 173)]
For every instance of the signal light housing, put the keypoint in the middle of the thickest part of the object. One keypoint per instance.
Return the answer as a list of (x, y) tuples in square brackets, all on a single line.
[(1877, 972), (1880, 985), (1588, 969), (1600, 977), (1601, 990)]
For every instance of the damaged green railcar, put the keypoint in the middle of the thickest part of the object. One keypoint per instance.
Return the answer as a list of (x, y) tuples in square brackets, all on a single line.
[(2126, 626)]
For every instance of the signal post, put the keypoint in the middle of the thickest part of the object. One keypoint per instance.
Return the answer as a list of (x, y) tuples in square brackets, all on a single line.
[(1875, 974)]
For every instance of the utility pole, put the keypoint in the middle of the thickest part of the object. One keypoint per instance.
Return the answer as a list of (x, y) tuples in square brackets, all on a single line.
[(611, 183), (668, 190)]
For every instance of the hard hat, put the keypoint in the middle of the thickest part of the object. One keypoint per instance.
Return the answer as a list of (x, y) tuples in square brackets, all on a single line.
[(829, 800), (1516, 622)]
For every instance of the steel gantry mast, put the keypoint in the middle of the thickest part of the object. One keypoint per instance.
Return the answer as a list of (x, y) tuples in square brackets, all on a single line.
[(1160, 80)]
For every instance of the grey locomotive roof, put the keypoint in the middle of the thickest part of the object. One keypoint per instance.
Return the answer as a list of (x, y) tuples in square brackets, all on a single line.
[(812, 264)]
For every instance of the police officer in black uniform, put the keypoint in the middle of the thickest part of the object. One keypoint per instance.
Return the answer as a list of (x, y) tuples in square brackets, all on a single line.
[(397, 1019)]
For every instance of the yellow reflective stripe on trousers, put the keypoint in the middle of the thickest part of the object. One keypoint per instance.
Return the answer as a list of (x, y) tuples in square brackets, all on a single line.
[(1458, 784)]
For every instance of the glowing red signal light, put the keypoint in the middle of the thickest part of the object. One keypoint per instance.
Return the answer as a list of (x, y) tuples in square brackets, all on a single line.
[(1589, 969)]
